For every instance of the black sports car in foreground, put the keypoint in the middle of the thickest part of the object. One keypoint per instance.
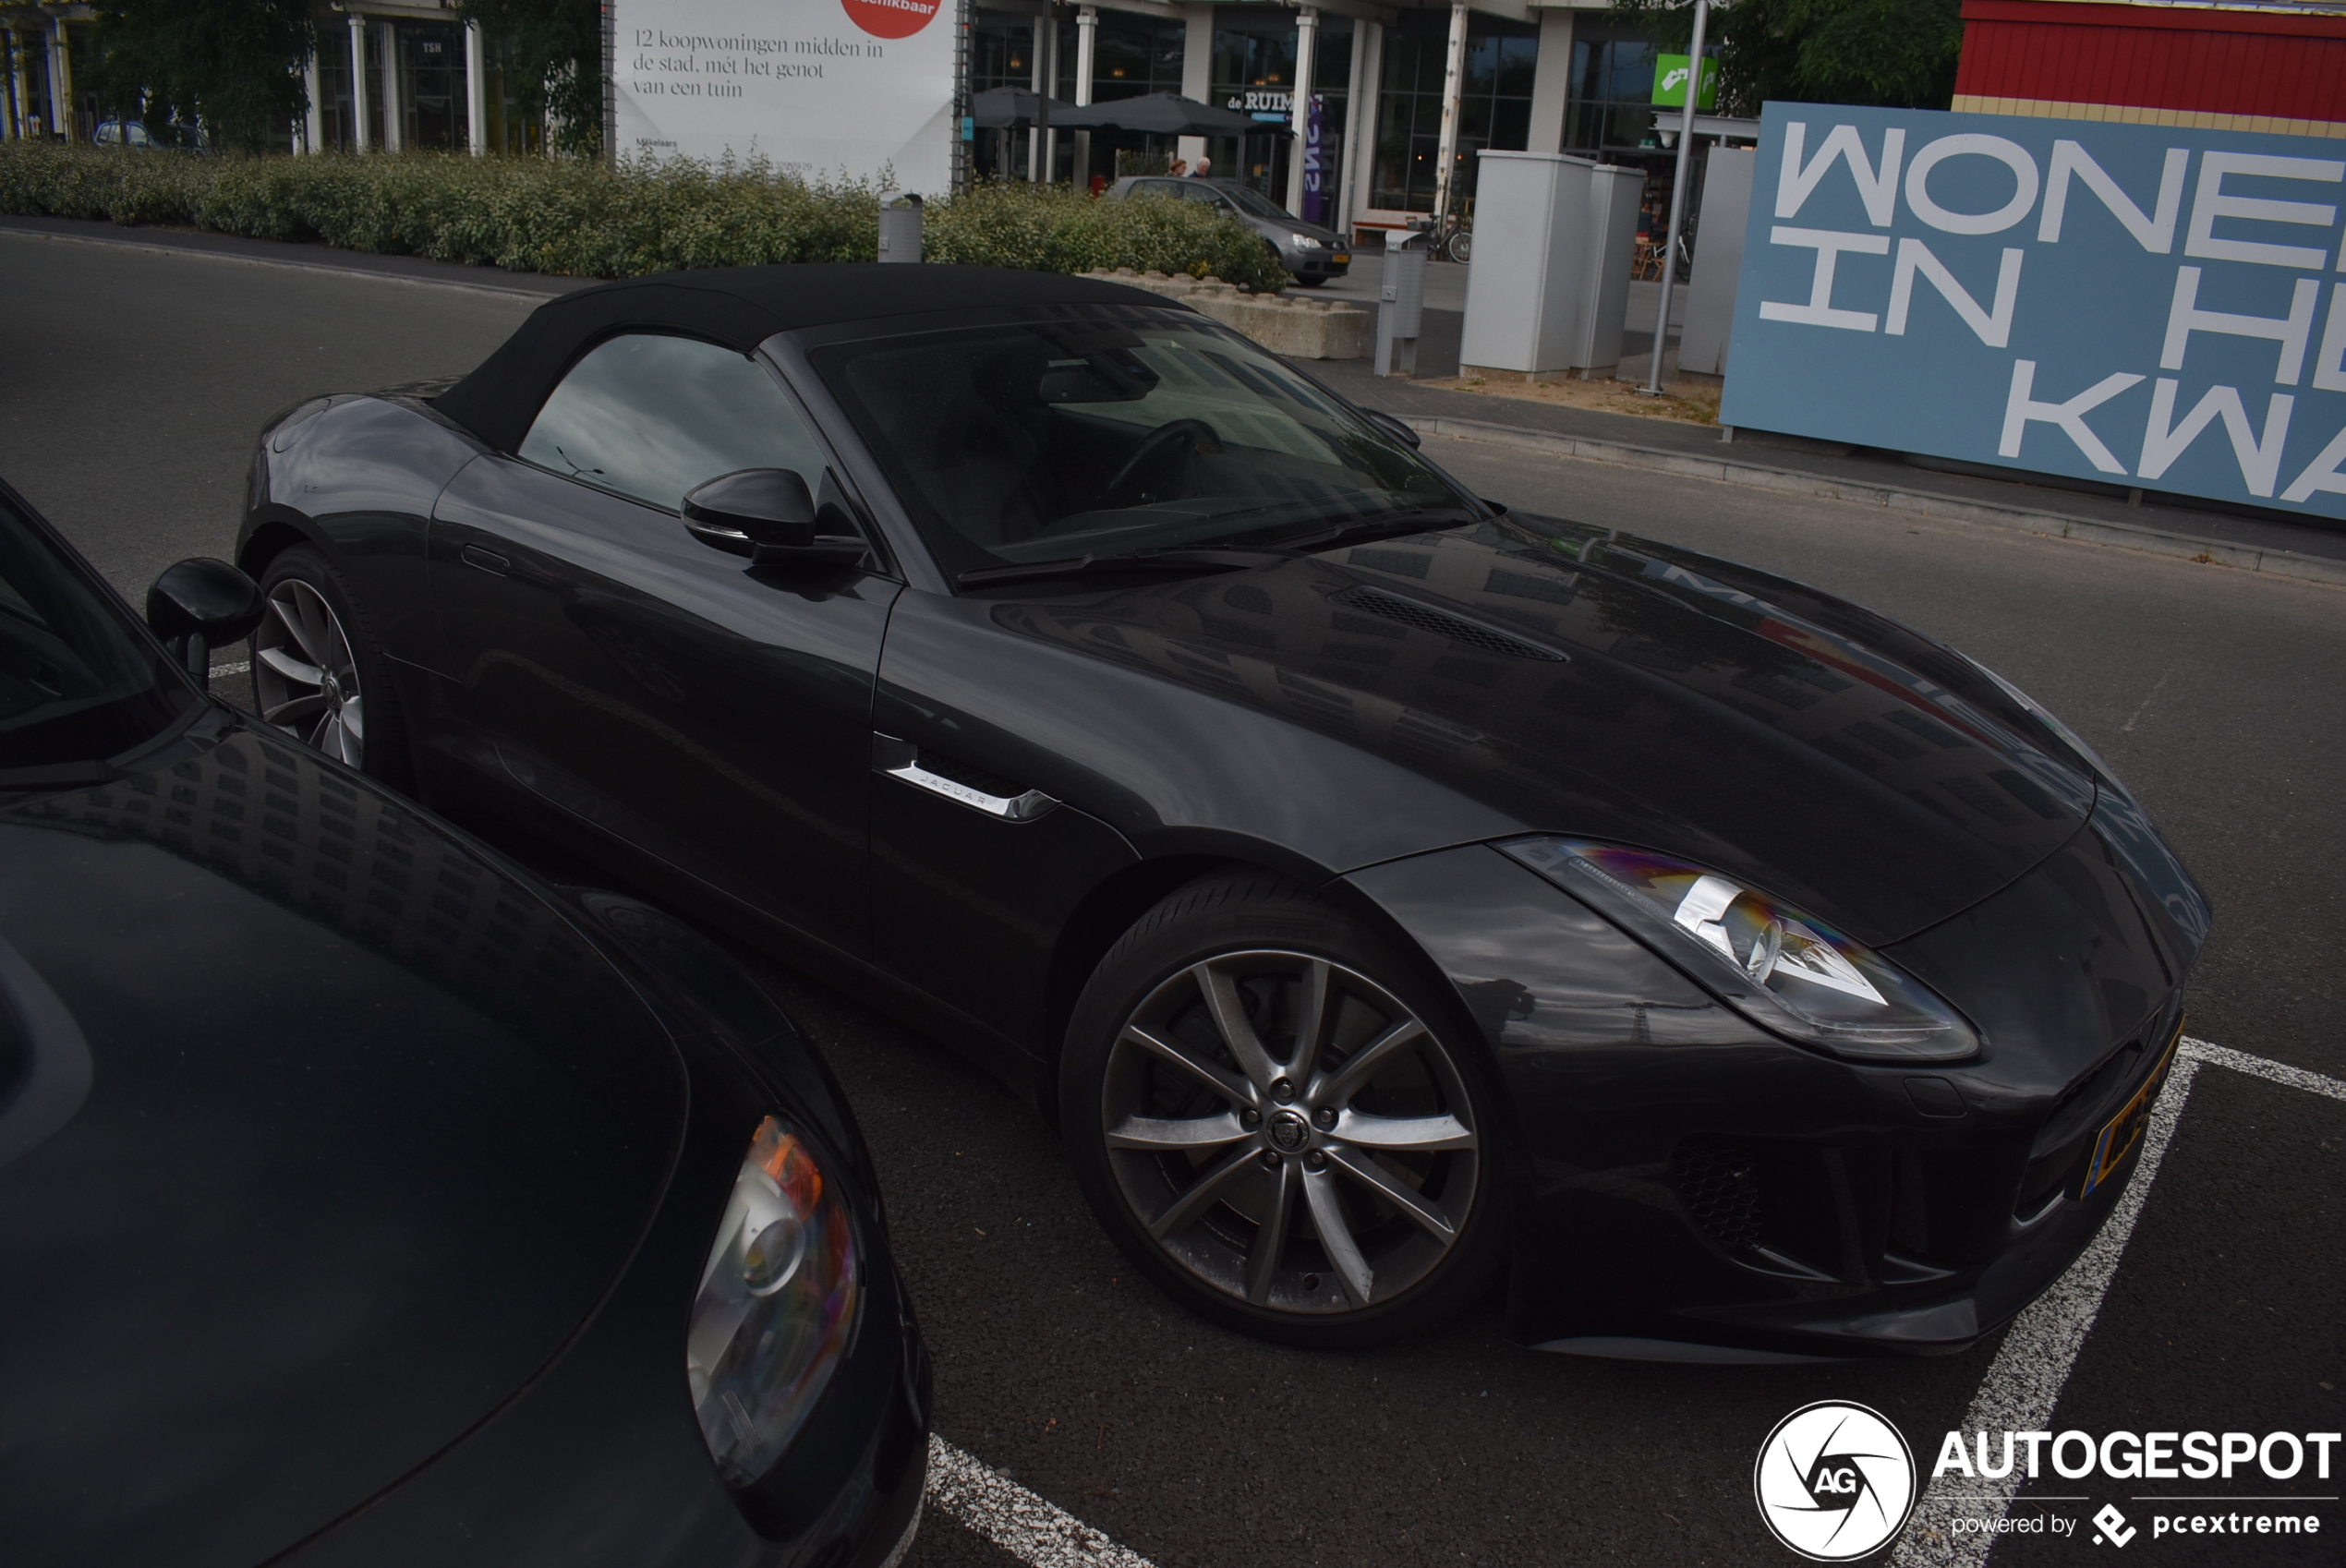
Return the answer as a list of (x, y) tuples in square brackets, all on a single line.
[(363, 1202), (1385, 891)]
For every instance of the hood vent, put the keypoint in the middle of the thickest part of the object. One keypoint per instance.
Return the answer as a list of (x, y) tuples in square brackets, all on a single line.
[(1426, 618)]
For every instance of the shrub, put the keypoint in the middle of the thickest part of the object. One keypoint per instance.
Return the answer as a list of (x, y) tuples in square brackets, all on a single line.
[(586, 220)]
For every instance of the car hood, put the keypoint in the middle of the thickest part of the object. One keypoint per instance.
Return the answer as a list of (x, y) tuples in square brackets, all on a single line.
[(325, 1135), (1575, 681)]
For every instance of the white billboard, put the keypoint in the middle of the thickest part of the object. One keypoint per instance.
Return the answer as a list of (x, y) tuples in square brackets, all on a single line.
[(821, 89)]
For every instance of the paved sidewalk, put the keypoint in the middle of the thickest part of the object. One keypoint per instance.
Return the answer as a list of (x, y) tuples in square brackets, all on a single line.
[(2308, 549)]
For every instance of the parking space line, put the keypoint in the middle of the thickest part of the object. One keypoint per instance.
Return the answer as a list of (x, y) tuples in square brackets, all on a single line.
[(2021, 1386), (1033, 1529), (2258, 1067), (239, 667), (2032, 1366)]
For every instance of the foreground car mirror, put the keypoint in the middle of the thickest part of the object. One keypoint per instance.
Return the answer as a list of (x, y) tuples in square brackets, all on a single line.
[(1398, 428), (768, 515), (200, 605)]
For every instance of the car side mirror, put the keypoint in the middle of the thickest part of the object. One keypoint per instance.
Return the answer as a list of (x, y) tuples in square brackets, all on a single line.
[(1392, 426), (769, 515), (200, 605)]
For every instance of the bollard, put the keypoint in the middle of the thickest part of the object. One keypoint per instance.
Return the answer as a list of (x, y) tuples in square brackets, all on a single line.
[(900, 227), (1401, 304)]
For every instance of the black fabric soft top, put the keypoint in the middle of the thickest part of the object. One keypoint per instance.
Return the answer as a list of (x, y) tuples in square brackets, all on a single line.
[(740, 306)]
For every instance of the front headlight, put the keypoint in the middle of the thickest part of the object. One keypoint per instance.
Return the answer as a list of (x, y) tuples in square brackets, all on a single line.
[(777, 1305), (1303, 242), (1785, 970)]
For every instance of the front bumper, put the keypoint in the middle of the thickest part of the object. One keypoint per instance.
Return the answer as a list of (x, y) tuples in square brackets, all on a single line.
[(1687, 1186)]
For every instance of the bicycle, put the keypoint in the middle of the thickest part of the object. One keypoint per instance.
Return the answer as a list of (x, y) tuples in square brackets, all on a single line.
[(1453, 238)]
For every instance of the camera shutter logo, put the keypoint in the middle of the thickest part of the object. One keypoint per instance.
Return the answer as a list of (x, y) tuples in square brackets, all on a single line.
[(1834, 1481)]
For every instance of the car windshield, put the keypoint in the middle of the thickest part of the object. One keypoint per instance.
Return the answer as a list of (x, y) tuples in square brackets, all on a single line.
[(78, 683), (1051, 440), (1255, 202)]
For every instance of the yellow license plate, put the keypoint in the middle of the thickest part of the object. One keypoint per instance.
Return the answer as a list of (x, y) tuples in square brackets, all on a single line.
[(2122, 1131), (1342, 258)]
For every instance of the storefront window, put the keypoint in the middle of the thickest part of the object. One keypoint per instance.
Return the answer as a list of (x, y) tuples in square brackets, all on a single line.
[(1254, 74), (433, 57), (1494, 107), (1610, 108)]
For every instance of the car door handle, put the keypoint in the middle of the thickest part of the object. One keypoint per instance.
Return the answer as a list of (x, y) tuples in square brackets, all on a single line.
[(902, 760), (486, 560)]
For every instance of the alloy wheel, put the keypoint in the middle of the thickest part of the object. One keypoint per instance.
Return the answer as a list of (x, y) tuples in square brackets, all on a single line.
[(303, 675), (1286, 1130)]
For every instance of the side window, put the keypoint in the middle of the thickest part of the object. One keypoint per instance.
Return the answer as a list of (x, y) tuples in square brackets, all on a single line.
[(653, 416), (1205, 193)]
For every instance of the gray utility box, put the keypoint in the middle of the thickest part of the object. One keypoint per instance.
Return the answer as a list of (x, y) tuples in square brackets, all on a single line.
[(1718, 259), (1554, 238), (900, 227)]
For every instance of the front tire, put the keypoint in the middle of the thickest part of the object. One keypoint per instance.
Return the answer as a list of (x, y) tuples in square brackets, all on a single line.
[(1271, 1114), (318, 675)]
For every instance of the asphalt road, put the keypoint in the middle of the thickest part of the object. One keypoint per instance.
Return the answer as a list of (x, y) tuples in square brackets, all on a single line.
[(133, 382)]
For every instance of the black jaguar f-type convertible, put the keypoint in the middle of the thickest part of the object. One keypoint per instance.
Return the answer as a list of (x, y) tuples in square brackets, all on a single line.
[(1387, 892)]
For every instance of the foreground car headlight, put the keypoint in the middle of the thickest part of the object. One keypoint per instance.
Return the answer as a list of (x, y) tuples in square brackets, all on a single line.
[(777, 1305), (1785, 971)]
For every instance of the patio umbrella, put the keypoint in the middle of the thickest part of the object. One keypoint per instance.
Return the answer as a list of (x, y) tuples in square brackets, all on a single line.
[(1014, 108), (1160, 113)]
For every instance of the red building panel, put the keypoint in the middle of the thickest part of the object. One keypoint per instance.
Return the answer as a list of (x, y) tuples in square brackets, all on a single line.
[(2236, 64)]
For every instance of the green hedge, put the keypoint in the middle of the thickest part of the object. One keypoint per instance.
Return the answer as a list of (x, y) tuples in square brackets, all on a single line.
[(585, 220)]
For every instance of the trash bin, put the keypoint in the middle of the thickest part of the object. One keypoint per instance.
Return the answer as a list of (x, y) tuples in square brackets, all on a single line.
[(900, 227), (1549, 284)]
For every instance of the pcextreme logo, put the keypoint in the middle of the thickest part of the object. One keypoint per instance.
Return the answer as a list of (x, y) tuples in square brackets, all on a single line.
[(1834, 1481)]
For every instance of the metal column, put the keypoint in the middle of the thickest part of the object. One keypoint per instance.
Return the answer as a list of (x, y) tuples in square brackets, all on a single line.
[(60, 81), (1197, 72), (1042, 87), (1678, 195), (476, 89), (1051, 74), (1453, 91), (1087, 34), (395, 121), (313, 123), (1307, 38), (1353, 119), (361, 136)]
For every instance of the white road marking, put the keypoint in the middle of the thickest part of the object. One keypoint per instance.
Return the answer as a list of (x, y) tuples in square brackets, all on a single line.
[(239, 667), (1038, 1533), (2257, 1066), (2032, 1366), (2021, 1386)]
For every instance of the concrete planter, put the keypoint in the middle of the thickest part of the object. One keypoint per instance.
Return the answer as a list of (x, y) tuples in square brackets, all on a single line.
[(1298, 329)]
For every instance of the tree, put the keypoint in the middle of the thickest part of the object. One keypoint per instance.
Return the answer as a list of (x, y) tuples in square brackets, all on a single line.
[(553, 50), (234, 66), (1890, 53)]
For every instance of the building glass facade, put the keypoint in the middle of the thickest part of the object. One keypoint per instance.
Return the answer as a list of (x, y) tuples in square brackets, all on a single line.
[(1609, 107), (1494, 108)]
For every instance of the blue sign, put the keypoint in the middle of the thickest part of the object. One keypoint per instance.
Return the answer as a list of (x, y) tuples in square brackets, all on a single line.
[(2141, 305)]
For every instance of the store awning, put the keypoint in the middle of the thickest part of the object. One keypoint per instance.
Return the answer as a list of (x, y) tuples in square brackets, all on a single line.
[(1162, 113), (1014, 108)]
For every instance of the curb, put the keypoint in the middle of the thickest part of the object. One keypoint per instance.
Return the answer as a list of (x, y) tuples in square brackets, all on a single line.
[(2051, 524)]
